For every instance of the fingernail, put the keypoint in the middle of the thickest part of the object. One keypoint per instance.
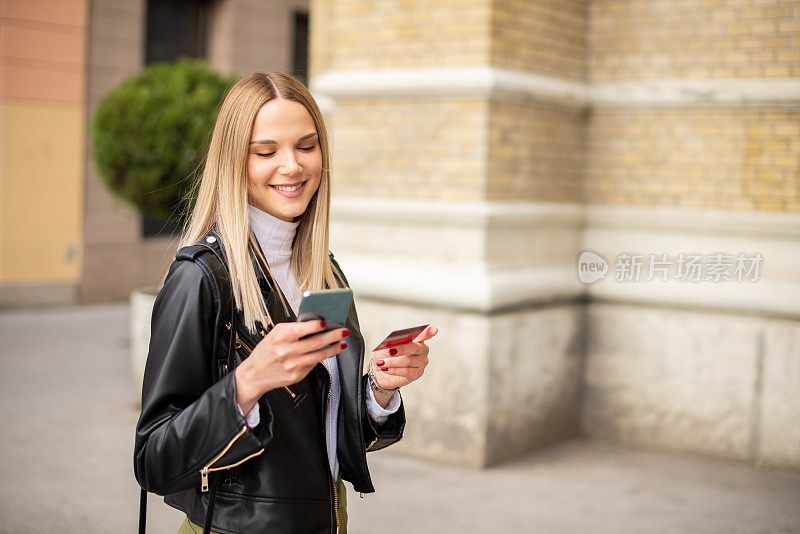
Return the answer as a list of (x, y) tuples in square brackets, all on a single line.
[(344, 345), (322, 324), (345, 333), (379, 363), (384, 368), (392, 352)]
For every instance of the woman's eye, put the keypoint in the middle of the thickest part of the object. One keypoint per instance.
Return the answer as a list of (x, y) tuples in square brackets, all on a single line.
[(269, 154)]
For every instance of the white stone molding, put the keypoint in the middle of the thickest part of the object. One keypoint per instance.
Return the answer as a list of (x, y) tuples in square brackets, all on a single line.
[(611, 230), (731, 92), (474, 256), (485, 82), (486, 257)]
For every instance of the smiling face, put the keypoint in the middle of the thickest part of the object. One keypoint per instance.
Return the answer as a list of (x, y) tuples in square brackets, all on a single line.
[(284, 163)]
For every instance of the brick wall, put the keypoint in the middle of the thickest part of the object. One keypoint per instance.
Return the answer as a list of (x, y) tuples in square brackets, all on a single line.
[(543, 36), (536, 152), (738, 159), (652, 103), (410, 149), (365, 34), (646, 39), (730, 157)]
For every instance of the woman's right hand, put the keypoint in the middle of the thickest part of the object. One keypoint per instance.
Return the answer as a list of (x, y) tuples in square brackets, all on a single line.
[(282, 358)]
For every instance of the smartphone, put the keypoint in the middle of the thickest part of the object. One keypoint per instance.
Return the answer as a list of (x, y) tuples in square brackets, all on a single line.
[(329, 305)]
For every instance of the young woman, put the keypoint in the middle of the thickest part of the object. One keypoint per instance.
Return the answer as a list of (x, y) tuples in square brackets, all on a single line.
[(265, 446)]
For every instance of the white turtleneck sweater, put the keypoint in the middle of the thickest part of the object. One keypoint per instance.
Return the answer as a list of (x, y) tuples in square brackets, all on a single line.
[(275, 237)]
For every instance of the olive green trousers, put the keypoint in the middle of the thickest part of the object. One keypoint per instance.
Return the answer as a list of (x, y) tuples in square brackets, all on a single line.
[(187, 527)]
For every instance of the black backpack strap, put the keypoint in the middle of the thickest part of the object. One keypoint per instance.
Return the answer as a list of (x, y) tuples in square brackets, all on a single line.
[(216, 266), (226, 314), (142, 510)]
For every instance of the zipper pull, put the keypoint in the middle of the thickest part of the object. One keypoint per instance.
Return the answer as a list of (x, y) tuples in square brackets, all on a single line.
[(360, 494), (204, 479)]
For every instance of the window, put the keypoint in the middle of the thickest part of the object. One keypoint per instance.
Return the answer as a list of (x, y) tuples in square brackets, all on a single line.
[(175, 28), (300, 47)]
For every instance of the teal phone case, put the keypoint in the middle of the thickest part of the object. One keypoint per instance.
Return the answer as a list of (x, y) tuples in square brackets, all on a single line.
[(330, 305)]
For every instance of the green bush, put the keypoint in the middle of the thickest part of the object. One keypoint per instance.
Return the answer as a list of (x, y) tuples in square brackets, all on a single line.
[(152, 131)]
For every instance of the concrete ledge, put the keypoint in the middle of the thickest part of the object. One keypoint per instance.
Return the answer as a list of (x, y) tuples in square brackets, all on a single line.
[(16, 296), (477, 256), (512, 254), (485, 82), (612, 230)]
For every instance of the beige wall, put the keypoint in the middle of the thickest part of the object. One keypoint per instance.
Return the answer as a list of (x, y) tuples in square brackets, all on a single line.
[(42, 141), (114, 257), (253, 35)]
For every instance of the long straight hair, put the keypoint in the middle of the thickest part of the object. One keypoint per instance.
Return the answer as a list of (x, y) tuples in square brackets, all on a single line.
[(222, 198)]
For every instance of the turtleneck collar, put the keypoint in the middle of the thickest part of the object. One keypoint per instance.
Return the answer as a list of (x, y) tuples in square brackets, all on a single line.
[(274, 235)]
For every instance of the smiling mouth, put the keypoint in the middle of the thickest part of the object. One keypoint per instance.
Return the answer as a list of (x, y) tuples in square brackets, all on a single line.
[(289, 188)]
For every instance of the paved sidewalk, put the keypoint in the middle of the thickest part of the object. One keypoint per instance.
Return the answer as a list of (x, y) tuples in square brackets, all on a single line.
[(68, 412)]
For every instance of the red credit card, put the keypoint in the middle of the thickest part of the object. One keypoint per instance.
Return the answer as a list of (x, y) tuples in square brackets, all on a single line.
[(398, 337)]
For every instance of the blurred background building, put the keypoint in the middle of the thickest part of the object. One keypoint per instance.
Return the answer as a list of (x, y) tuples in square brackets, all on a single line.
[(65, 237), (479, 148)]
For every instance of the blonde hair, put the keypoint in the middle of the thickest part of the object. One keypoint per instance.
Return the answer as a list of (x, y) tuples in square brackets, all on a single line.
[(222, 199)]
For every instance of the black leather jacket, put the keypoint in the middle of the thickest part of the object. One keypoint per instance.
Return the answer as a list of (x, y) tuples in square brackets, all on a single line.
[(275, 477)]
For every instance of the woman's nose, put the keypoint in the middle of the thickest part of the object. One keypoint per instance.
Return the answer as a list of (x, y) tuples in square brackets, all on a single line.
[(289, 164)]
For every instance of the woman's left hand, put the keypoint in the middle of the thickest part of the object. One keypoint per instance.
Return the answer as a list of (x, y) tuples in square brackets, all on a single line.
[(401, 365)]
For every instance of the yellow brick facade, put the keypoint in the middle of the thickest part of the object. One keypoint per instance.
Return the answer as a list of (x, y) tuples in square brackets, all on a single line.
[(528, 149), (536, 152), (726, 159), (646, 39), (369, 34), (543, 36), (410, 149)]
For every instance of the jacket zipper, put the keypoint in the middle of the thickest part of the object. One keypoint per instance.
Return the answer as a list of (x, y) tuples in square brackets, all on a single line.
[(242, 344), (205, 470), (324, 415)]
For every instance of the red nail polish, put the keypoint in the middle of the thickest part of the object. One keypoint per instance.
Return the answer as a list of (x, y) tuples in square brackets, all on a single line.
[(345, 333), (384, 368), (322, 324), (344, 346), (379, 363), (392, 352)]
